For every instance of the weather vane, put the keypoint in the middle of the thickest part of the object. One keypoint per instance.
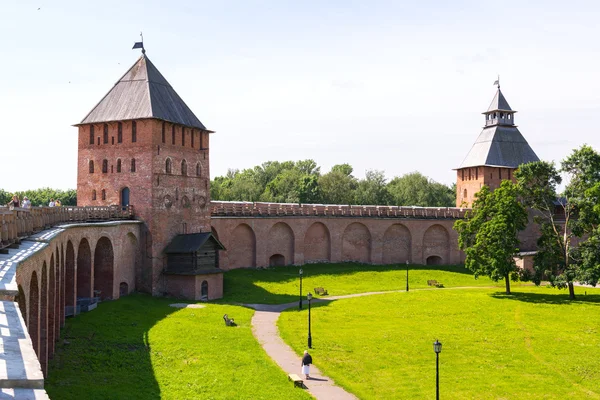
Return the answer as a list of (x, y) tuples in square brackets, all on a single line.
[(497, 83), (140, 45)]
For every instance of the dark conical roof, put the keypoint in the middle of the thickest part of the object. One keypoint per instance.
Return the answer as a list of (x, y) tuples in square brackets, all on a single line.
[(499, 103), (143, 93)]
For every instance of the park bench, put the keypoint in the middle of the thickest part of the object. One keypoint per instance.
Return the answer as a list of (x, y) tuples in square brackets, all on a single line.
[(229, 321), (435, 283), (296, 379), (320, 291)]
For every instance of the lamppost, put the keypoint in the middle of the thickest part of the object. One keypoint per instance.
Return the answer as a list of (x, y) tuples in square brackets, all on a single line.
[(407, 275), (309, 297), (300, 303), (437, 347)]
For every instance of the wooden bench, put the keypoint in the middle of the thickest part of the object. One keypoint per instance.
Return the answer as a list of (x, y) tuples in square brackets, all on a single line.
[(435, 283), (296, 379), (320, 291)]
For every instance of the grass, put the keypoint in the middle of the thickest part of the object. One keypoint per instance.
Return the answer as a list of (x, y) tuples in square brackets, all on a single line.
[(140, 348), (533, 344), (278, 285)]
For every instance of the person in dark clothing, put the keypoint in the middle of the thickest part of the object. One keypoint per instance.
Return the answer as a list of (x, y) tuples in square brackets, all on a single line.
[(306, 361)]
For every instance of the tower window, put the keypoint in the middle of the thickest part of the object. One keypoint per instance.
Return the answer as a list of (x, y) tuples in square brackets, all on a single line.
[(133, 165), (105, 133), (201, 140), (184, 168), (477, 173), (133, 132), (119, 165), (104, 166), (500, 173), (192, 134), (172, 134), (163, 132), (103, 194), (463, 174), (465, 194), (112, 140), (91, 166), (168, 166), (469, 173), (120, 133), (91, 134), (509, 174), (198, 169), (93, 195), (183, 135)]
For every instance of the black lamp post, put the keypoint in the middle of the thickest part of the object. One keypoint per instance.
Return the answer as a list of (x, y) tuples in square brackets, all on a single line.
[(437, 347), (309, 297), (407, 275), (300, 303)]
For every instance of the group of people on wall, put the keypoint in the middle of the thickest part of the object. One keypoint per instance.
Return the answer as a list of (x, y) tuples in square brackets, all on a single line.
[(16, 203)]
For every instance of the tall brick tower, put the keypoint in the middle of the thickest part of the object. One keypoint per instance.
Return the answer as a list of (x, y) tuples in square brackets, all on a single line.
[(497, 152), (142, 146)]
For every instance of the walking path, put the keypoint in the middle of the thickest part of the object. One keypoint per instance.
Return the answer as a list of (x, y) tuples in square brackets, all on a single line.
[(264, 328)]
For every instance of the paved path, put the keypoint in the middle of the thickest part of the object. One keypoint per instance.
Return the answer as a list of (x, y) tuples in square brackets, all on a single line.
[(264, 328)]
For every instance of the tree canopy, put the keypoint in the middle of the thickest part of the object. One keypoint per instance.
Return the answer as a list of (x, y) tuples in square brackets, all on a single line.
[(42, 196), (302, 182)]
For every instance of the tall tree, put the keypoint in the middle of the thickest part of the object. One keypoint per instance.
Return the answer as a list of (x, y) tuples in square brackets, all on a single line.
[(489, 233), (373, 189), (415, 189), (338, 185)]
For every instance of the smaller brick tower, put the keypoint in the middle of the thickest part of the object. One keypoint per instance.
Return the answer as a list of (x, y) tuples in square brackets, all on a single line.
[(495, 155), (142, 146)]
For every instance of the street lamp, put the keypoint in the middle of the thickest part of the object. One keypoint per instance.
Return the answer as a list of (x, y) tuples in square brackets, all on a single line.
[(300, 303), (437, 347), (309, 297), (407, 275)]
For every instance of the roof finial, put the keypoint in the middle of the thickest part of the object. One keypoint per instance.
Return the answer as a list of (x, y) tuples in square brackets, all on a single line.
[(140, 45), (497, 83)]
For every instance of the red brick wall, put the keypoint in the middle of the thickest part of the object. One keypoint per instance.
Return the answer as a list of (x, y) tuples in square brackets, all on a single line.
[(472, 179)]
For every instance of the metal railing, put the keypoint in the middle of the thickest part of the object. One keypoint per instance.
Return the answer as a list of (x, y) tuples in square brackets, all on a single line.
[(258, 209), (21, 222)]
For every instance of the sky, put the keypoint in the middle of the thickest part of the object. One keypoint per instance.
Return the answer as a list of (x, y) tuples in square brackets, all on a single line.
[(397, 86)]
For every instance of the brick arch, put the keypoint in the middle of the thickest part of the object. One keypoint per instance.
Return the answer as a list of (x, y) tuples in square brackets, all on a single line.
[(132, 261), (242, 248), (281, 241), (52, 323), (43, 355), (33, 324), (58, 296), (396, 244), (69, 278), (436, 242), (84, 269), (356, 243), (22, 302), (104, 268), (317, 243)]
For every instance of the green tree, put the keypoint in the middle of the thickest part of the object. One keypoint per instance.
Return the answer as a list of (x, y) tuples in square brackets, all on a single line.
[(415, 189), (338, 185), (489, 233), (373, 189)]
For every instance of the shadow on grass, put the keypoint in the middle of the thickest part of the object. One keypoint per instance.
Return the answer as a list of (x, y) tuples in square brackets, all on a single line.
[(548, 298), (105, 354), (240, 284)]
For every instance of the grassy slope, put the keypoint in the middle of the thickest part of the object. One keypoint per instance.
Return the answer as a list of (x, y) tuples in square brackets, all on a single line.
[(140, 348), (534, 344), (281, 284)]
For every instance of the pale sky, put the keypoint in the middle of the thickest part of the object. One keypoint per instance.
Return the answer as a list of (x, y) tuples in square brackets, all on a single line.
[(397, 86)]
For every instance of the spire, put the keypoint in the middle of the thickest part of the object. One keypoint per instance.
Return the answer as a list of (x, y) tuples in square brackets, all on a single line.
[(499, 103), (142, 93)]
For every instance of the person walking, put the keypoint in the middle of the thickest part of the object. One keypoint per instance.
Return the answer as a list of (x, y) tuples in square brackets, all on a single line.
[(306, 361)]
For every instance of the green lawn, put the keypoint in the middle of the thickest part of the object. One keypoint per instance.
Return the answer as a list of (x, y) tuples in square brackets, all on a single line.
[(278, 285), (140, 348), (534, 344)]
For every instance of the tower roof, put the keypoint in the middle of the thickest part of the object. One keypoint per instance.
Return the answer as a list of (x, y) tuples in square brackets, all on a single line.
[(499, 103), (143, 93)]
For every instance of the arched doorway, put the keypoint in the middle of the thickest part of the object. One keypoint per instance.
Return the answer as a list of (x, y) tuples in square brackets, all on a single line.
[(34, 313), (204, 291), (434, 260), (277, 260), (84, 270), (103, 269), (69, 279), (125, 196), (43, 356), (123, 289)]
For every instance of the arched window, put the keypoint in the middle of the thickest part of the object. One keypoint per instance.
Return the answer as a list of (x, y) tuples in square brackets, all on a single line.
[(133, 165), (198, 169), (125, 196), (465, 194), (120, 133), (172, 134), (103, 194), (91, 165), (133, 132), (184, 168), (91, 134), (192, 135), (183, 135), (163, 132), (104, 166), (168, 166), (119, 165), (105, 133), (93, 194)]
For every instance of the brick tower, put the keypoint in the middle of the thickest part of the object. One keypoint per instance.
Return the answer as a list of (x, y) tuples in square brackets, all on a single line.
[(495, 155), (141, 146)]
